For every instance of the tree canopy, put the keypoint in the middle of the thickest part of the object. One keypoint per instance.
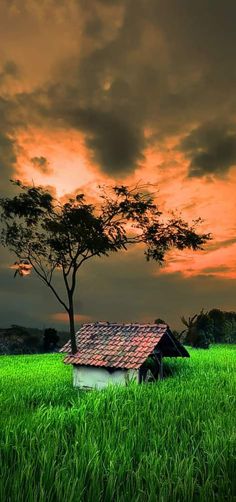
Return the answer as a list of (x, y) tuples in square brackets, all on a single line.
[(215, 326), (48, 235)]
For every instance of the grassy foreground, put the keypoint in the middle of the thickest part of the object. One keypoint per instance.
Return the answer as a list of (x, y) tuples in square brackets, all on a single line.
[(169, 441)]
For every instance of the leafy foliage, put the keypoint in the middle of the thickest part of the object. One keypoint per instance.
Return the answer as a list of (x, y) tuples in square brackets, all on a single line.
[(199, 330), (25, 340), (224, 326), (50, 339), (47, 235), (159, 321), (18, 340), (209, 327)]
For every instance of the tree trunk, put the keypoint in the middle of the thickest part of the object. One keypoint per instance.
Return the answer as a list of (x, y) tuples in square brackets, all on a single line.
[(72, 328)]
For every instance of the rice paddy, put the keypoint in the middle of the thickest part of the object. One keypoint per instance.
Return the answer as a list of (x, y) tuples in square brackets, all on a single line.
[(169, 441)]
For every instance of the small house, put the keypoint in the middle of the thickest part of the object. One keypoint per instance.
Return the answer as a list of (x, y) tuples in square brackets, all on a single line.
[(111, 353)]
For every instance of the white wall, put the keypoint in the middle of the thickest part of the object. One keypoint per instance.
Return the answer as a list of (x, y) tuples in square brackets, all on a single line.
[(92, 377)]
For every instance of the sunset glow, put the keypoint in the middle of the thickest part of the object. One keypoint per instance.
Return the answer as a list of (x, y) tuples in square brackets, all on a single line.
[(113, 92), (68, 165)]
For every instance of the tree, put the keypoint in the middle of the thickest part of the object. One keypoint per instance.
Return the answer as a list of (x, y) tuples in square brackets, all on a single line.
[(199, 332), (159, 321), (218, 319), (224, 325), (50, 339), (48, 236), (214, 326)]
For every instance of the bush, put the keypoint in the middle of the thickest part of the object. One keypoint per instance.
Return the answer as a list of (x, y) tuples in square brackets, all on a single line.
[(50, 340)]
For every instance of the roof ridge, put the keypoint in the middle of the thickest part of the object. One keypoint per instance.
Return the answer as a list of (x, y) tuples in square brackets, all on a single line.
[(108, 323)]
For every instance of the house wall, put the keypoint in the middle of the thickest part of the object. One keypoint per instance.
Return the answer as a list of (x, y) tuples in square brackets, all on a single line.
[(92, 377)]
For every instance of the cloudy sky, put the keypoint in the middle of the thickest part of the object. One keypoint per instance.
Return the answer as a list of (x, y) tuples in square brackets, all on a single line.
[(124, 90)]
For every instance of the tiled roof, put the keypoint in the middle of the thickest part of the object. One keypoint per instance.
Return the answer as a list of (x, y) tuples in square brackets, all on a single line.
[(115, 345)]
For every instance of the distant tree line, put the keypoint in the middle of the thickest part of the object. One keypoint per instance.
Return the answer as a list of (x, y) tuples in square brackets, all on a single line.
[(215, 326), (20, 340)]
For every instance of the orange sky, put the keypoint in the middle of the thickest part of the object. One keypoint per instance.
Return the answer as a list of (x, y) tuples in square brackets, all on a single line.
[(123, 91), (70, 166)]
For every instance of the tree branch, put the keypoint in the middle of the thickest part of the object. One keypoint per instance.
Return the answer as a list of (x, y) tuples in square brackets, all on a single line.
[(49, 284)]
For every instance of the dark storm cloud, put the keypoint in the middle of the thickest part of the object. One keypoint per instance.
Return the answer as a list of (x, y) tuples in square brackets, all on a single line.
[(116, 144), (112, 133), (8, 145), (111, 2), (116, 141), (9, 121), (211, 149), (42, 164), (221, 244), (161, 65), (114, 69), (12, 117), (213, 270), (7, 154), (93, 27), (9, 69)]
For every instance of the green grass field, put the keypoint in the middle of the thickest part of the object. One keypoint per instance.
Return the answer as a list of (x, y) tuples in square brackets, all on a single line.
[(169, 441)]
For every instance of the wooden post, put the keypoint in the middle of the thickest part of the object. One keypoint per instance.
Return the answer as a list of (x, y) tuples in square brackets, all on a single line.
[(139, 376), (161, 368)]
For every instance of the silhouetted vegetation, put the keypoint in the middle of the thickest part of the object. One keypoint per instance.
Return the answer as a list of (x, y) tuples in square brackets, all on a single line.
[(205, 328), (20, 340), (50, 340), (215, 326), (159, 321), (224, 326), (50, 237)]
